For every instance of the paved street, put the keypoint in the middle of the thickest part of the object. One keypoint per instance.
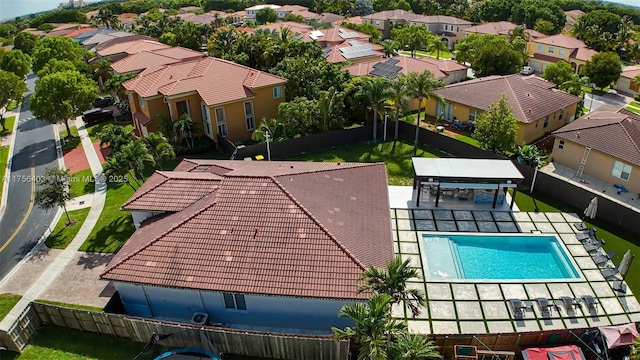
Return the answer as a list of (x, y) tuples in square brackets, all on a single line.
[(23, 223), (593, 102)]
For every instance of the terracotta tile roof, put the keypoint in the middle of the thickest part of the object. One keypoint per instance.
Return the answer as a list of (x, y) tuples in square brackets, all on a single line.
[(334, 55), (145, 59), (133, 46), (584, 54), (441, 19), (392, 15), (608, 129), (143, 119), (530, 100), (562, 40), (407, 64), (110, 38), (337, 34), (330, 18), (198, 19), (204, 76), (172, 191), (80, 31), (296, 28), (128, 16), (274, 228), (500, 28), (630, 71), (352, 20)]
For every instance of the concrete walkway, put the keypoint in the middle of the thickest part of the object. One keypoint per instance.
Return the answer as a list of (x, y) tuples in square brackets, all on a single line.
[(65, 256)]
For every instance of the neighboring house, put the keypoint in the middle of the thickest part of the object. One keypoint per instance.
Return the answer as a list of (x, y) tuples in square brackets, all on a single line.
[(79, 32), (249, 245), (189, 9), (225, 99), (303, 11), (447, 71), (136, 63), (539, 108), (558, 47), (572, 16), (448, 28), (106, 35), (128, 20), (250, 12), (351, 20), (200, 19), (607, 140), (385, 20), (64, 29), (117, 49), (332, 36), (504, 28), (625, 82), (353, 51)]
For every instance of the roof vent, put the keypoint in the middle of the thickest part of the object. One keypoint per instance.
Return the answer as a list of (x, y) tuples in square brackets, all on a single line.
[(578, 134), (530, 111)]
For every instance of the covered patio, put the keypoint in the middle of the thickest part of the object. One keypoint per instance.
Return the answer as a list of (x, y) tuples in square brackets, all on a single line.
[(478, 181)]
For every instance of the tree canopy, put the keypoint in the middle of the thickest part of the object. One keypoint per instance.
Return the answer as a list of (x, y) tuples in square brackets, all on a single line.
[(266, 15), (306, 76), (413, 37), (60, 48), (527, 12), (601, 30), (490, 55), (12, 89), (54, 190), (496, 129), (558, 73), (26, 42), (16, 62), (603, 69)]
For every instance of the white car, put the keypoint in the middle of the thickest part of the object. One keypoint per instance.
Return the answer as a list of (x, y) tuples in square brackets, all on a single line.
[(526, 70)]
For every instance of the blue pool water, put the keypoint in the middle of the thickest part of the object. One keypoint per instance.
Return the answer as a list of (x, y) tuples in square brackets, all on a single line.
[(511, 257)]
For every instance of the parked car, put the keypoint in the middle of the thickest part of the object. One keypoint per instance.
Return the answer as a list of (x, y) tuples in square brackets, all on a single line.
[(96, 115), (103, 101), (526, 70)]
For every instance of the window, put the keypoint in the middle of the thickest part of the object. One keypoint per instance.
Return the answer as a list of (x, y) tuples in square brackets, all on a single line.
[(221, 121), (234, 301), (183, 108), (377, 23), (561, 114), (546, 122), (621, 170), (550, 50), (141, 102), (277, 92), (248, 115), (540, 47), (561, 144), (537, 123), (473, 114), (206, 119), (560, 51)]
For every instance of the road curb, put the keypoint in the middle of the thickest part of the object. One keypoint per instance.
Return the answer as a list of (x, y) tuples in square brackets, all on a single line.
[(7, 173)]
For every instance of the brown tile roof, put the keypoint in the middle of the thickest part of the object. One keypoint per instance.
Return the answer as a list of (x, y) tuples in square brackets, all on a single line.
[(330, 18), (407, 64), (274, 228), (351, 20), (530, 100), (172, 191), (500, 28), (128, 16), (133, 46), (296, 28), (562, 40), (145, 59), (630, 71), (392, 15), (204, 76), (441, 19), (108, 39), (201, 19), (584, 54), (80, 31), (608, 129)]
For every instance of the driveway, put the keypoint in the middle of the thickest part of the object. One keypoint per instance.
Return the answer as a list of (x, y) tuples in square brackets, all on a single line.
[(593, 102)]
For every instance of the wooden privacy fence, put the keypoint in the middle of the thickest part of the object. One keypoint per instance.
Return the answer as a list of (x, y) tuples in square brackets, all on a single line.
[(241, 342)]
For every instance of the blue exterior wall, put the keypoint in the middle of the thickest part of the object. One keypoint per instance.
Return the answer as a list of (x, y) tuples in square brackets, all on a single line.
[(265, 311)]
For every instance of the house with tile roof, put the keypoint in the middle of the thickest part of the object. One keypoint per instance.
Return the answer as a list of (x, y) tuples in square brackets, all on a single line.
[(551, 49), (625, 82), (447, 71), (608, 141), (448, 28), (225, 99), (120, 48), (136, 63), (250, 12), (539, 107), (106, 35), (504, 28), (353, 51), (274, 246), (384, 20)]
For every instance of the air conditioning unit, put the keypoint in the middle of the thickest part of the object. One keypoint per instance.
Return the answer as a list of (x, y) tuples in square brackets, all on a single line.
[(199, 318)]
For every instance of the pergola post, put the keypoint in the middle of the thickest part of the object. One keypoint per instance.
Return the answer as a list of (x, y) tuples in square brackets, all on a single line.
[(513, 198), (495, 197), (438, 195)]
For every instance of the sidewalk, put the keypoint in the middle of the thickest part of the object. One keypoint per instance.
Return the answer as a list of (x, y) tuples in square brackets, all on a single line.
[(64, 257)]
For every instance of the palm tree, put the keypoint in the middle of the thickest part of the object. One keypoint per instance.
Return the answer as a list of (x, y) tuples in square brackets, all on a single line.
[(393, 282), (114, 84), (413, 347), (325, 105), (167, 127), (437, 45), (137, 156), (374, 328), (635, 349), (399, 98), (421, 86), (464, 52), (116, 166), (390, 47), (107, 18), (102, 72), (159, 148), (377, 91), (223, 42), (186, 128)]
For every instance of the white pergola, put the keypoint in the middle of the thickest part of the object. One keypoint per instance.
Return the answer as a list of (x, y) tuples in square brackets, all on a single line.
[(460, 173)]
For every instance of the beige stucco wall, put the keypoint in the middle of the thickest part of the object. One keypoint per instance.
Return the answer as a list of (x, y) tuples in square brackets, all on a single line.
[(599, 165), (625, 85)]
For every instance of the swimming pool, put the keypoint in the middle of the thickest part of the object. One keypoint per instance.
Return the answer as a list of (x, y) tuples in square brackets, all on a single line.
[(487, 257)]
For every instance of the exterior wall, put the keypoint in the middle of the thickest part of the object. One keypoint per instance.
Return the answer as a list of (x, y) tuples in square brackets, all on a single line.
[(599, 165), (266, 311), (538, 65), (455, 77), (153, 108), (556, 51), (140, 216), (626, 85)]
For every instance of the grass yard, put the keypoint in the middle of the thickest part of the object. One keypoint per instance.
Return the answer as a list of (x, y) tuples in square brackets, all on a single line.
[(616, 239), (8, 124), (419, 53), (82, 183), (396, 155), (12, 106), (4, 157), (62, 234), (70, 143), (95, 129), (7, 302), (115, 226)]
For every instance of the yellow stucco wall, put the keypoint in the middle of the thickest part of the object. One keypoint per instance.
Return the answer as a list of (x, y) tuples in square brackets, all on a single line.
[(535, 48), (599, 165)]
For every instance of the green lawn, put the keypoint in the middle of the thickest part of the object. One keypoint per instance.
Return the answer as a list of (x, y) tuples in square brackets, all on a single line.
[(115, 226), (7, 302), (396, 155), (82, 183), (70, 143), (62, 234), (635, 103), (8, 124), (4, 157), (419, 53), (12, 106), (633, 109), (616, 239), (71, 306)]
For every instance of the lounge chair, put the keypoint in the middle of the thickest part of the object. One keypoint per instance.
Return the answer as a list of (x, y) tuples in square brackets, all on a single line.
[(594, 247), (610, 273), (463, 194), (580, 226), (570, 303), (519, 308), (545, 306), (620, 286), (586, 235), (603, 259), (591, 302)]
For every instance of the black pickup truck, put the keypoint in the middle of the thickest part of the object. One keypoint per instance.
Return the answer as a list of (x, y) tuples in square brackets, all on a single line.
[(96, 115)]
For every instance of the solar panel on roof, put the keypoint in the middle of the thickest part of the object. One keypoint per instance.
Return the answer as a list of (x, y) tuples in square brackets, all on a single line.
[(392, 61)]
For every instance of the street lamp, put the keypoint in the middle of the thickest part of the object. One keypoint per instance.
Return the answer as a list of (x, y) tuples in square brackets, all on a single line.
[(267, 136)]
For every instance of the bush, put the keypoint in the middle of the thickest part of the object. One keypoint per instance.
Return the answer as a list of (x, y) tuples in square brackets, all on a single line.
[(201, 144), (636, 97)]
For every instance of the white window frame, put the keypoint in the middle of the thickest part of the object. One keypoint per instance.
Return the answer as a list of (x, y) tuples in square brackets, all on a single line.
[(186, 109), (546, 122), (621, 170), (561, 144), (206, 120), (540, 47), (221, 122), (249, 118), (277, 92), (473, 115), (239, 301), (141, 102), (550, 50), (561, 52)]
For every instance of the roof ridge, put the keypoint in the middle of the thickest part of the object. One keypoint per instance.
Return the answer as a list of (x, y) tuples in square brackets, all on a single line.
[(320, 226), (624, 127), (134, 198), (175, 226), (513, 92)]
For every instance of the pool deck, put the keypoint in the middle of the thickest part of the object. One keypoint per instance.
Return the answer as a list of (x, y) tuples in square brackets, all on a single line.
[(482, 307)]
